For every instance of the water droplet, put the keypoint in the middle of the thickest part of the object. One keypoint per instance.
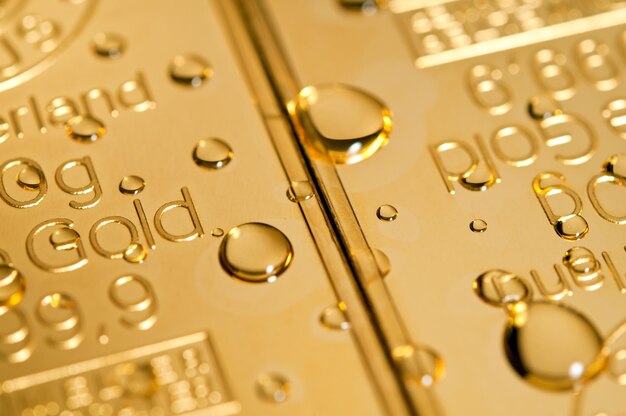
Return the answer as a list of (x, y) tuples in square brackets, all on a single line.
[(617, 366), (553, 347), (501, 288), (12, 286), (387, 213), (109, 45), (542, 107), (572, 227), (255, 252), (132, 185), (103, 337), (272, 387), (190, 70), (64, 239), (212, 153), (478, 226), (85, 129), (345, 123), (135, 253), (217, 232), (616, 166), (419, 363), (382, 261), (28, 179), (333, 317), (300, 191)]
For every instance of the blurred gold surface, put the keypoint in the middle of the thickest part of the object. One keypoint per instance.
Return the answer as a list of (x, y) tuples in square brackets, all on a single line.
[(271, 207)]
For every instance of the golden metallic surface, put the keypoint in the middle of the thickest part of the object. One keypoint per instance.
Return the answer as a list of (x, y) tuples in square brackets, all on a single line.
[(339, 207), (507, 116)]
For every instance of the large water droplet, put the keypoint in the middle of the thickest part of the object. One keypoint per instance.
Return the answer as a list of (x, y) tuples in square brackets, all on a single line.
[(387, 213), (132, 185), (12, 286), (346, 123), (212, 153), (191, 70), (273, 387), (255, 252), (553, 347), (85, 129), (109, 45)]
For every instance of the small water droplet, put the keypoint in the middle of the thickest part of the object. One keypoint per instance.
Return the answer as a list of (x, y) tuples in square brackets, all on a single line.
[(212, 153), (553, 347), (333, 317), (542, 107), (132, 185), (12, 286), (103, 337), (255, 252), (273, 387), (299, 191), (135, 253), (64, 239), (217, 232), (28, 179), (478, 226), (85, 129), (387, 213), (572, 227), (382, 261), (345, 123), (419, 363), (109, 45), (190, 70), (616, 166)]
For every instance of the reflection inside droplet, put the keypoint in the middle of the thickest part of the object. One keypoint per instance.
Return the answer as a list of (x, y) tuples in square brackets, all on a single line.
[(333, 317), (345, 123), (212, 153), (190, 70), (131, 185), (255, 252), (553, 347), (387, 213), (85, 129), (273, 388)]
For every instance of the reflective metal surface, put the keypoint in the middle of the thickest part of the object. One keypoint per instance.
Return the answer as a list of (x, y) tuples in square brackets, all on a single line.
[(273, 207)]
